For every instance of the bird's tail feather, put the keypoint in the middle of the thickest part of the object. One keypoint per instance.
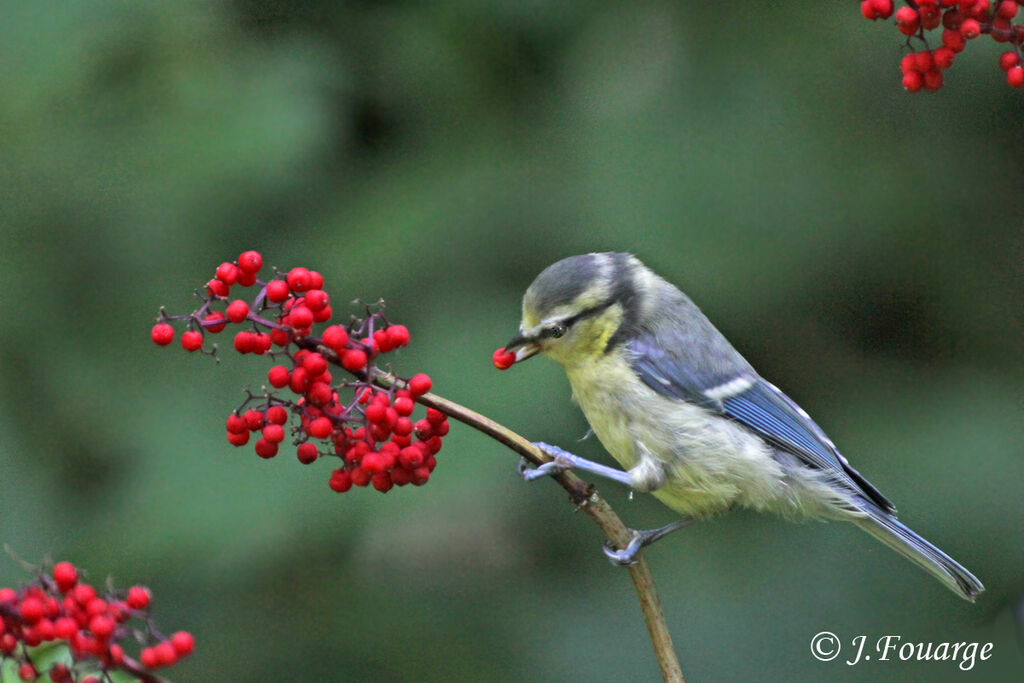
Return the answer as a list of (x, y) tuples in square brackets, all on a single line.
[(888, 530)]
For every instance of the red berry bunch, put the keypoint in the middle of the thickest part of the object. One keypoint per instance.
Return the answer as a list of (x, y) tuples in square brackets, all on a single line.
[(60, 608), (961, 21), (368, 426)]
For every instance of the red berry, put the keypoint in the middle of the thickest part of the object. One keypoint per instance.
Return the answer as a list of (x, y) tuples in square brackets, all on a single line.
[(1008, 60), (66, 576), (211, 322), (246, 279), (278, 376), (924, 61), (273, 433), (237, 310), (320, 393), (300, 317), (236, 424), (944, 57), (183, 643), (372, 462), (1015, 76), (970, 29), (883, 8), (316, 280), (250, 261), (315, 364), (398, 335), (400, 476), (266, 448), (165, 653), (299, 381), (420, 384), (404, 405), (307, 453), (360, 477), (238, 438), (32, 609), (1007, 9), (243, 342), (402, 426), (932, 80), (65, 627), (340, 481), (316, 299), (277, 415), (382, 482), (320, 428), (875, 9), (162, 334), (96, 606), (420, 475), (299, 279), (323, 315), (335, 337), (102, 626), (216, 287), (260, 343), (503, 359), (277, 291), (913, 81), (952, 18), (411, 456), (953, 40), (27, 672), (377, 413), (148, 658), (382, 341), (908, 20), (353, 360), (253, 420), (192, 340), (227, 273)]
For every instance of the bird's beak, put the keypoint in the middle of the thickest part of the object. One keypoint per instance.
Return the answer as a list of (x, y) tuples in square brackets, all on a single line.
[(523, 347)]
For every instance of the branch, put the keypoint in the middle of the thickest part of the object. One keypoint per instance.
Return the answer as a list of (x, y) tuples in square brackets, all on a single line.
[(583, 496)]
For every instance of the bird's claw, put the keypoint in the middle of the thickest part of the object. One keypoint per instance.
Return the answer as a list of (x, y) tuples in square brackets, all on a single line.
[(561, 460), (625, 557), (556, 466), (638, 540)]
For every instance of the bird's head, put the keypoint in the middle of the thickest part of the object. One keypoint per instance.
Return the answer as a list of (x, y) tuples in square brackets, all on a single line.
[(579, 308)]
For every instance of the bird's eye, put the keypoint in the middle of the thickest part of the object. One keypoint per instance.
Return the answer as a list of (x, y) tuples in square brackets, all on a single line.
[(555, 331)]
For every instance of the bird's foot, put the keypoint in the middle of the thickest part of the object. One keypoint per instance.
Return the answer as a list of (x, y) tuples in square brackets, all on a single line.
[(640, 539), (561, 460)]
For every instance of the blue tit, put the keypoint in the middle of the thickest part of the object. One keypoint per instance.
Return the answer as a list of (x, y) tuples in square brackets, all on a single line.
[(687, 416)]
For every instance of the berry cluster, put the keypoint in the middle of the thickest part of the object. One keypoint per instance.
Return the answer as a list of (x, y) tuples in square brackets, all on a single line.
[(961, 21), (59, 607), (370, 427)]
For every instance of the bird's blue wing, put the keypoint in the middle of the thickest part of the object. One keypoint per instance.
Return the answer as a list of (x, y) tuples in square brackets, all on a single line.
[(751, 401)]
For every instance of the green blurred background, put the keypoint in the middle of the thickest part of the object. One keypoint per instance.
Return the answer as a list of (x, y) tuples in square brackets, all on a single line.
[(863, 247)]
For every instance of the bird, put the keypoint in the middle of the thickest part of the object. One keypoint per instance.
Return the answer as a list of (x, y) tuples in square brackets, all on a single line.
[(687, 416)]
